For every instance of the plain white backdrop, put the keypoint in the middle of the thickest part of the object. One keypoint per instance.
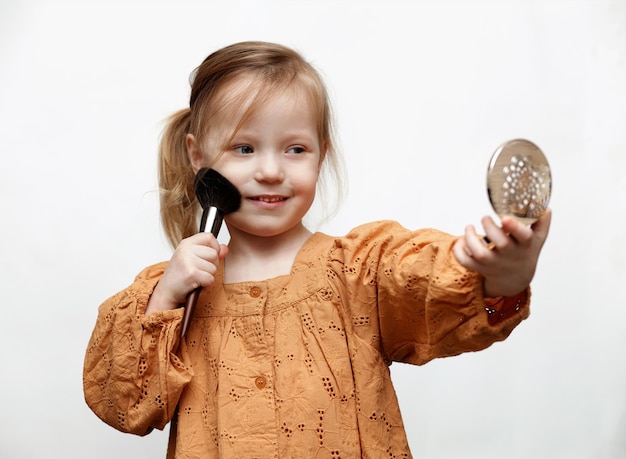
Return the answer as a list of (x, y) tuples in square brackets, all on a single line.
[(424, 91)]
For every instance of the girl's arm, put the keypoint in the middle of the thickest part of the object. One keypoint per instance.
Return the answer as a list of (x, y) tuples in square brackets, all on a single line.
[(411, 297), (134, 371)]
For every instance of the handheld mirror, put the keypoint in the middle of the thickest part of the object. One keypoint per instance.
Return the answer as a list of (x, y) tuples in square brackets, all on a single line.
[(519, 182)]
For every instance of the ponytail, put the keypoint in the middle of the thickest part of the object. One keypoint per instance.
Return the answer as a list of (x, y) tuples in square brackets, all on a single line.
[(177, 195)]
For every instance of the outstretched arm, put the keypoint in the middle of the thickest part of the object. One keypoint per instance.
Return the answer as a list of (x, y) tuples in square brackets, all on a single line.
[(507, 264)]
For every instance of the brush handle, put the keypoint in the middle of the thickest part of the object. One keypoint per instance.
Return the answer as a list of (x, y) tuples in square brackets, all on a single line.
[(190, 305), (213, 216)]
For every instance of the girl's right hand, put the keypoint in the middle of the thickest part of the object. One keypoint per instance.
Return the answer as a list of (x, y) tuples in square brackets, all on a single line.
[(193, 265)]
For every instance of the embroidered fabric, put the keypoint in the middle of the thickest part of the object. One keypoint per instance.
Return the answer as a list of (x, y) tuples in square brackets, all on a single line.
[(502, 308), (295, 366)]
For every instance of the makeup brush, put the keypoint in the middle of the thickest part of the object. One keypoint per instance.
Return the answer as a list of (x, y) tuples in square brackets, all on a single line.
[(217, 197)]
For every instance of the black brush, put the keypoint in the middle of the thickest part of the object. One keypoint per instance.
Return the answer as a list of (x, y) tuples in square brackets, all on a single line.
[(218, 197)]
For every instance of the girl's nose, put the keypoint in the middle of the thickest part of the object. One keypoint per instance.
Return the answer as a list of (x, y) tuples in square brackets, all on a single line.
[(270, 168)]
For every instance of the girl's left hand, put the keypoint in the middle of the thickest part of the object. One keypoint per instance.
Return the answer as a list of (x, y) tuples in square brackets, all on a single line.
[(508, 264)]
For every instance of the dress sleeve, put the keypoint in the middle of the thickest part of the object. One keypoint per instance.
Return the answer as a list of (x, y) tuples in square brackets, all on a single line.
[(427, 304), (133, 375)]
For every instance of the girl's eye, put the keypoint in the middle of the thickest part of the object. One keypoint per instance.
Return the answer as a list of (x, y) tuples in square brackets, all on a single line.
[(296, 150), (244, 149)]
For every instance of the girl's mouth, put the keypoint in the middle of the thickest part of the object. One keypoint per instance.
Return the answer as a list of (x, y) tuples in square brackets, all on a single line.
[(270, 199), (268, 202)]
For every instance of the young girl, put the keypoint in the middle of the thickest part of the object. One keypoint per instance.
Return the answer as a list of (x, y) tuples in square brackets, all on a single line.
[(289, 349)]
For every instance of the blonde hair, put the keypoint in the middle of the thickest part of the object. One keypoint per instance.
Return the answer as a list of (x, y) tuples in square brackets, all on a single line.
[(272, 67)]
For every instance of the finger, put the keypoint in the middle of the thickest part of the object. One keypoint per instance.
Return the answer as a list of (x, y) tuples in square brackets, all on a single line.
[(495, 237), (541, 227), (206, 239), (223, 251), (477, 248), (204, 272), (517, 230), (462, 254), (204, 255)]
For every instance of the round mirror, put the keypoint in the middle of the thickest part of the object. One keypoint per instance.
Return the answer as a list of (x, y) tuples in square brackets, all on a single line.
[(519, 182)]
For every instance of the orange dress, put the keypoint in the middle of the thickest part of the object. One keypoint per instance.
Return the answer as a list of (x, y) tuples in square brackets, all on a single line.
[(296, 366)]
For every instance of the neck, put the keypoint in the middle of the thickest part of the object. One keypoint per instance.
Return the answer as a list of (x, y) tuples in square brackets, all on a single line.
[(255, 258)]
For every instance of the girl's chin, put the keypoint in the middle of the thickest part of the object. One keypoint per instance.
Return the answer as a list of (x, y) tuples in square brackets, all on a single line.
[(264, 229)]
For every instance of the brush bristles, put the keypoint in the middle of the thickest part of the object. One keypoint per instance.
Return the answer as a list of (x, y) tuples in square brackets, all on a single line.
[(214, 190)]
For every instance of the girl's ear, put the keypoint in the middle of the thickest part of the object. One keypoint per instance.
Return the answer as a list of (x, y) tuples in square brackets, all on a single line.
[(193, 152)]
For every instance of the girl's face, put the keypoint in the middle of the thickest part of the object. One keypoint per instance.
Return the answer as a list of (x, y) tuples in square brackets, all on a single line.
[(273, 160)]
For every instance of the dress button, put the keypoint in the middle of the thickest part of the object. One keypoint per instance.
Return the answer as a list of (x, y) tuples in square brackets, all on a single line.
[(260, 382), (255, 292)]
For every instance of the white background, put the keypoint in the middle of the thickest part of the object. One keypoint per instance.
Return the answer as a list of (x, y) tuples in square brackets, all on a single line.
[(424, 92)]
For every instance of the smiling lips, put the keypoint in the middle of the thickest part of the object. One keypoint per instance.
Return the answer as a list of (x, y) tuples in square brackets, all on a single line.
[(269, 199)]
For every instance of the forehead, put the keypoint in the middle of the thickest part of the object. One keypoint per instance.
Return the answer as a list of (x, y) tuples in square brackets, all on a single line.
[(240, 100), (242, 97)]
